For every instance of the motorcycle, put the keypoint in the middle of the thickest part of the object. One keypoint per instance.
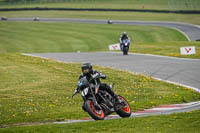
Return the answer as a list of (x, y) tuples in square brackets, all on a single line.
[(125, 46), (99, 103)]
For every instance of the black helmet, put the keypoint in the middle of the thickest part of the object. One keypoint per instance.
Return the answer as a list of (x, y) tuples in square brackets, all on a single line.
[(86, 66)]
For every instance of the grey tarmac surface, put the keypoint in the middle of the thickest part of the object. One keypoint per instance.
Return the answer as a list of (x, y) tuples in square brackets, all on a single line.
[(177, 70), (192, 32)]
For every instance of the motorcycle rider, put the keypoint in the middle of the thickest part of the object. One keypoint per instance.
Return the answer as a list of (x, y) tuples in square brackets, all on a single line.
[(93, 75), (124, 36)]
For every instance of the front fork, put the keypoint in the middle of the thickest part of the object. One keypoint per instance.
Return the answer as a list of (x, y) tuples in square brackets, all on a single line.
[(94, 100)]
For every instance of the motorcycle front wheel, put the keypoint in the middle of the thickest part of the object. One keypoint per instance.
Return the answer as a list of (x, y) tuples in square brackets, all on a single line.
[(125, 51), (125, 111), (94, 113)]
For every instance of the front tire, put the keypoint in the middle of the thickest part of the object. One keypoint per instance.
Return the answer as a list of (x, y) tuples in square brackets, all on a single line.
[(125, 111), (127, 50), (94, 113)]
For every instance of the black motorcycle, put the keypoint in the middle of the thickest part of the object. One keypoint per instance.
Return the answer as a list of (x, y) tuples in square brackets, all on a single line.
[(99, 103), (125, 46)]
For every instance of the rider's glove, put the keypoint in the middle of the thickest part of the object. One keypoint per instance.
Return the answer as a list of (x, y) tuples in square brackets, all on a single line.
[(95, 76), (75, 92)]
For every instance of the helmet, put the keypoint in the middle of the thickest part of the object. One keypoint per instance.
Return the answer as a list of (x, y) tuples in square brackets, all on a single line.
[(124, 34), (86, 68)]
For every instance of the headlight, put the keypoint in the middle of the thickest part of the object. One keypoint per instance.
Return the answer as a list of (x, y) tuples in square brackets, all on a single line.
[(80, 84)]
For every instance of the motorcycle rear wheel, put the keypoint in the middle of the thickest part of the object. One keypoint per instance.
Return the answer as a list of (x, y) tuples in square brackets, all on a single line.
[(94, 113), (125, 111)]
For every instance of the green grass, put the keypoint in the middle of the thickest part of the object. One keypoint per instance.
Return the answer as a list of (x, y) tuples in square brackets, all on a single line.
[(39, 90), (175, 123), (93, 4), (166, 49), (119, 4), (41, 37), (34, 37)]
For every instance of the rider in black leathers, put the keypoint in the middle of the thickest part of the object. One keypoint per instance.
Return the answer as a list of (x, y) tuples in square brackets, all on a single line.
[(89, 73), (123, 37)]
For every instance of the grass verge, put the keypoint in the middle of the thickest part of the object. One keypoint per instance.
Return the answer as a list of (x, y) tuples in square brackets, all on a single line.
[(166, 49), (179, 123), (39, 90), (111, 4), (40, 37), (35, 37)]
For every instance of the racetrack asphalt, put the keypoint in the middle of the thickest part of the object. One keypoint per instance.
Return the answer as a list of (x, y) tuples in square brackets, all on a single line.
[(192, 32), (170, 69)]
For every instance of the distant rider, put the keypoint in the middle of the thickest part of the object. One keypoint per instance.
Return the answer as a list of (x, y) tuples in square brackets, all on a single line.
[(124, 36), (90, 73)]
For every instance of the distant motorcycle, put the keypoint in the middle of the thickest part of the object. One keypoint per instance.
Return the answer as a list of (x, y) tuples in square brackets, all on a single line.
[(99, 103), (125, 46)]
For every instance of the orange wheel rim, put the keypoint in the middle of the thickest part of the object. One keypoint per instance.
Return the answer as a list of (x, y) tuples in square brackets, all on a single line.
[(97, 113), (125, 108)]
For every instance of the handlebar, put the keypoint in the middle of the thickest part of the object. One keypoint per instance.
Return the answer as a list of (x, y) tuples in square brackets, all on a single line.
[(75, 92), (98, 75)]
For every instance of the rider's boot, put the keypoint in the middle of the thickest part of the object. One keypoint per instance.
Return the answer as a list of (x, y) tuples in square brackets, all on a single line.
[(111, 92)]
